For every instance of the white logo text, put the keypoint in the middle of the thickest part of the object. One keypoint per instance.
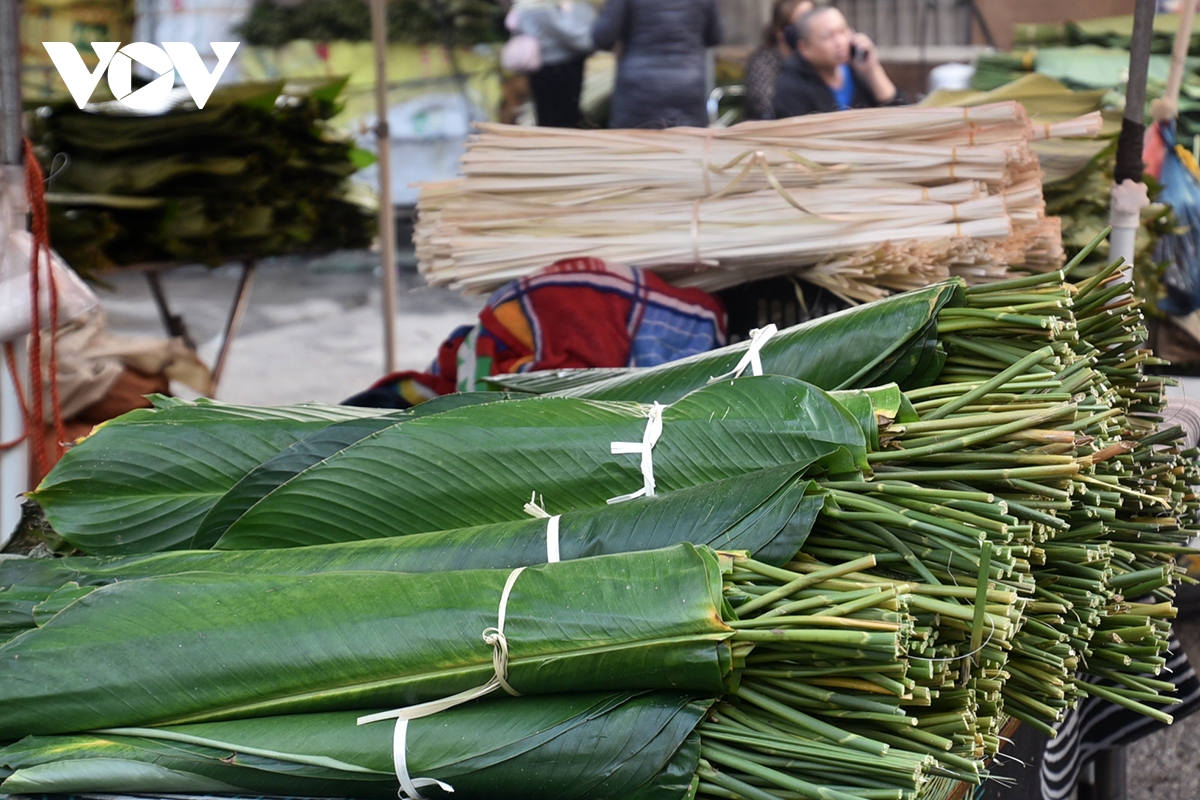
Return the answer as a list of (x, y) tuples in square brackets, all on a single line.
[(163, 61)]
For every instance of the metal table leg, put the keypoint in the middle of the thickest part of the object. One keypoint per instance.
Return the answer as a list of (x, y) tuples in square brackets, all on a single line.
[(175, 326), (173, 323), (237, 311)]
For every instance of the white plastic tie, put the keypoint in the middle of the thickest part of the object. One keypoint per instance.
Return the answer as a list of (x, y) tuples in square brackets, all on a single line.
[(495, 637), (645, 447), (536, 508), (752, 357), (499, 680), (552, 554), (408, 786)]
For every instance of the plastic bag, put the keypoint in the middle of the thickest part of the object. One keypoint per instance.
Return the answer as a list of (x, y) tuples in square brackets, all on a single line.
[(521, 54), (74, 296)]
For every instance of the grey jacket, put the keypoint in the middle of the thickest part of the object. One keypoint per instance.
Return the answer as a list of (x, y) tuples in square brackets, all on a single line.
[(661, 73), (563, 30)]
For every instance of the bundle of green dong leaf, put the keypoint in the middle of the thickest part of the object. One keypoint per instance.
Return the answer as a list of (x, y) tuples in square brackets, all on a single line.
[(839, 578), (257, 172)]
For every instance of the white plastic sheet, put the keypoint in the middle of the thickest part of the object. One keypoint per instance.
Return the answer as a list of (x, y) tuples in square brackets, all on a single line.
[(16, 310)]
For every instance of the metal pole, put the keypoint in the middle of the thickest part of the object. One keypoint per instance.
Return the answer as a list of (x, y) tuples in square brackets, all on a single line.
[(387, 215), (1139, 61), (233, 324), (10, 82), (14, 462), (1129, 194)]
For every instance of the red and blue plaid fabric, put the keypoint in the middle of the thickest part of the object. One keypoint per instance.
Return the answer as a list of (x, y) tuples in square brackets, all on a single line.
[(578, 312)]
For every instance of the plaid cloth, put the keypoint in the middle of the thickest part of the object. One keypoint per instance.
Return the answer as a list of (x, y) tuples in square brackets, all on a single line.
[(578, 312)]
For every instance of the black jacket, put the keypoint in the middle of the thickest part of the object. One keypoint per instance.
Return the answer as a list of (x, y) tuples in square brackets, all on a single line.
[(661, 74), (801, 90)]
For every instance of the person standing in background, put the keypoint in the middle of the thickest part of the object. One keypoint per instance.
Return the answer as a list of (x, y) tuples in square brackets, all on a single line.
[(832, 69), (563, 31), (766, 62), (661, 71)]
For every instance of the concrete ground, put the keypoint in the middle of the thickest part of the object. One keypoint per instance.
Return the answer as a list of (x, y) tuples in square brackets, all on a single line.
[(1166, 764), (313, 332)]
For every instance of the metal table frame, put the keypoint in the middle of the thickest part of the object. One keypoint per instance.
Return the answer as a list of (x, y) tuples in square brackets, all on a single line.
[(173, 323)]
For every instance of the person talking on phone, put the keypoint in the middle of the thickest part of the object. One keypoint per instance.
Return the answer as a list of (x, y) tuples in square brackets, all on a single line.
[(831, 68)]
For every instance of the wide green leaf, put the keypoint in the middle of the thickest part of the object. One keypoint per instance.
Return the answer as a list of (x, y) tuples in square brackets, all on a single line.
[(767, 513), (892, 340), (481, 464), (637, 746), (310, 450), (202, 646), (159, 470), (142, 482)]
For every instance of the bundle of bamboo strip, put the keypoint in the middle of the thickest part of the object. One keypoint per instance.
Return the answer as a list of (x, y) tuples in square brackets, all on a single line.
[(863, 202)]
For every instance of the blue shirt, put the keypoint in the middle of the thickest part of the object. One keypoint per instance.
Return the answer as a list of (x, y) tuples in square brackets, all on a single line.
[(845, 95)]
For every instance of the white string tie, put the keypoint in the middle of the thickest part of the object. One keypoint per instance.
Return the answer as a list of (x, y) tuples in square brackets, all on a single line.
[(408, 786), (495, 637), (499, 680), (752, 357), (536, 507), (552, 554), (645, 447)]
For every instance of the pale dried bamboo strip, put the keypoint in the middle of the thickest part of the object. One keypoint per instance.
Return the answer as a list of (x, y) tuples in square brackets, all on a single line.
[(867, 202)]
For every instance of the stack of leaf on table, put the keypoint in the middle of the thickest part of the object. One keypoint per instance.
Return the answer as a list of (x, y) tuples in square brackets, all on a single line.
[(256, 172), (836, 592), (1094, 54), (1114, 31), (1091, 53)]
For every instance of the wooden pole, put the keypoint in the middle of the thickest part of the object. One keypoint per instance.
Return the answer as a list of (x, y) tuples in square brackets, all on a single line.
[(387, 215), (1179, 51)]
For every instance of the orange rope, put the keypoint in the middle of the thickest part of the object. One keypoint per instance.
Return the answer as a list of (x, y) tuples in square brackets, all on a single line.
[(35, 418)]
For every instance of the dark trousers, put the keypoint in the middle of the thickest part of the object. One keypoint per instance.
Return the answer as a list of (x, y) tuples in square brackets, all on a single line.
[(556, 90)]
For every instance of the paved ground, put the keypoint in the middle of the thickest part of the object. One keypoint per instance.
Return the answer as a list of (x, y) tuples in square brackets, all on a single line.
[(1167, 764), (313, 332)]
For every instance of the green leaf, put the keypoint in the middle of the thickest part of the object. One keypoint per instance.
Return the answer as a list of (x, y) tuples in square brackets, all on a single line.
[(892, 340), (156, 486), (144, 481), (1100, 67), (310, 450), (875, 408), (112, 775), (361, 158), (480, 464), (767, 513), (638, 746), (202, 647)]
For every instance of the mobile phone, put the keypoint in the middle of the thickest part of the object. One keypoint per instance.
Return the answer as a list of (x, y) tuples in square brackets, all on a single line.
[(857, 53)]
